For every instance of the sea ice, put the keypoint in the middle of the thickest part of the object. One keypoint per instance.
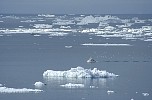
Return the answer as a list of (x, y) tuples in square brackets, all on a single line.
[(14, 90), (39, 84), (68, 46), (106, 44), (70, 85), (110, 92), (1, 85), (79, 72), (145, 94)]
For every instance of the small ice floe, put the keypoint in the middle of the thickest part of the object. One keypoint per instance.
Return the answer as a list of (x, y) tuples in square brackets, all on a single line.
[(106, 44), (36, 35), (131, 99), (14, 90), (91, 60), (68, 46), (1, 85), (70, 85), (83, 98), (145, 94), (110, 92), (92, 87), (39, 84)]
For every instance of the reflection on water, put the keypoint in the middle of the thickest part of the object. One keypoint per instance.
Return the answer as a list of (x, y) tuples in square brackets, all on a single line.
[(55, 82)]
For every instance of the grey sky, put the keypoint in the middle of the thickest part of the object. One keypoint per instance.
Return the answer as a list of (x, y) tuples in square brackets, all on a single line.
[(77, 6)]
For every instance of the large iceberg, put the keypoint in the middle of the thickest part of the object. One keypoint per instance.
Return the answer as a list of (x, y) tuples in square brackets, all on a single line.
[(79, 72)]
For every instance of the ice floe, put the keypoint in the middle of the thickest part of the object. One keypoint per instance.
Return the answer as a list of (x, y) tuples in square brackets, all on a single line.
[(106, 44), (79, 72), (148, 40), (42, 26), (22, 90), (71, 85), (39, 84), (1, 85), (68, 46), (110, 92), (145, 94)]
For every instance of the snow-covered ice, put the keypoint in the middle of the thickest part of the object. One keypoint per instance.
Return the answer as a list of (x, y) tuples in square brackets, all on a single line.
[(39, 84), (145, 94), (14, 90), (70, 85), (106, 44), (68, 46), (79, 72), (110, 92)]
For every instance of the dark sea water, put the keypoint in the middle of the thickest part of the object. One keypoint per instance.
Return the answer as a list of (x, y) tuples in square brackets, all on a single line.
[(24, 57)]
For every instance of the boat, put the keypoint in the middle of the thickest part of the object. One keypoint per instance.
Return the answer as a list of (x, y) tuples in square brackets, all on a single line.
[(91, 60)]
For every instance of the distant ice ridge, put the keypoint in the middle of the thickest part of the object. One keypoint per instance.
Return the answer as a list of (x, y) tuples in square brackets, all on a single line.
[(70, 85), (79, 72), (106, 44), (14, 90)]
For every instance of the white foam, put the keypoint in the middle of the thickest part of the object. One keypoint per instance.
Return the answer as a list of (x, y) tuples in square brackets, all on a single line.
[(79, 72), (14, 90), (39, 84), (106, 44), (145, 94), (70, 85)]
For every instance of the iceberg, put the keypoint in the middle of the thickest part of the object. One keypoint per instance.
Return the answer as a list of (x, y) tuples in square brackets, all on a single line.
[(110, 92), (70, 85), (79, 72), (145, 94), (14, 90), (39, 84)]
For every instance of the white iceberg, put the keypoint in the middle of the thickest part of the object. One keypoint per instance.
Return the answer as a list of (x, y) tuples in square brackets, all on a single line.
[(79, 72), (68, 46), (110, 92), (145, 94), (39, 84), (14, 90), (70, 85)]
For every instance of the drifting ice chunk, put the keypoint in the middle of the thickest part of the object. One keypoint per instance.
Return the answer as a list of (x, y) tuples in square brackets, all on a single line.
[(79, 72), (145, 94), (70, 85), (1, 85), (110, 92), (39, 84), (68, 46), (14, 90)]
